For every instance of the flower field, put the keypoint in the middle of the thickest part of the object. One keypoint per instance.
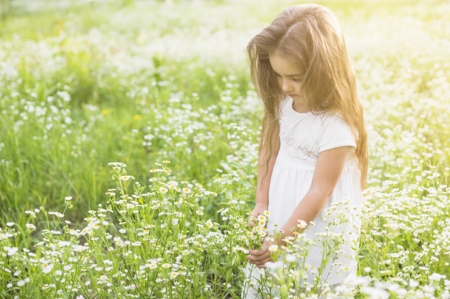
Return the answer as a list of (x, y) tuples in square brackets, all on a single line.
[(128, 151)]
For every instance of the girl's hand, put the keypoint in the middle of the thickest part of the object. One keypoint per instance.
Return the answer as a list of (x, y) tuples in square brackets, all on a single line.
[(258, 210), (259, 257)]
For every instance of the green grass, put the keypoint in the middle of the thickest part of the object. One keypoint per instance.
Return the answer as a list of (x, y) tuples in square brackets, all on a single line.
[(148, 81)]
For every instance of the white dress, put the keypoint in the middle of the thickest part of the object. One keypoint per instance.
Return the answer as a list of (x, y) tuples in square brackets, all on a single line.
[(302, 137)]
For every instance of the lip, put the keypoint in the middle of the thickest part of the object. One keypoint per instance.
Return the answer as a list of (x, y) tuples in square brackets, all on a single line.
[(293, 95)]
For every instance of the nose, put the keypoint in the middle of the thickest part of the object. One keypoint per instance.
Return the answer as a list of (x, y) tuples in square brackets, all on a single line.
[(285, 85)]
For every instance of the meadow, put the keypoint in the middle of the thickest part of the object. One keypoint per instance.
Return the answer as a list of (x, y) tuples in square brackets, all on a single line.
[(129, 138)]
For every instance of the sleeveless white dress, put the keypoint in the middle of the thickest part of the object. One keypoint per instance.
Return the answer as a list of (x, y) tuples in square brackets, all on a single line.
[(302, 137)]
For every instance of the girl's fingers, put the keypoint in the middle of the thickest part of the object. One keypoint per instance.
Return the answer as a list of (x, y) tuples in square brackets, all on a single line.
[(257, 252), (262, 264), (260, 257), (255, 259)]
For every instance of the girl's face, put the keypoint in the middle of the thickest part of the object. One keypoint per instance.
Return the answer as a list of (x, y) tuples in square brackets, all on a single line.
[(289, 75)]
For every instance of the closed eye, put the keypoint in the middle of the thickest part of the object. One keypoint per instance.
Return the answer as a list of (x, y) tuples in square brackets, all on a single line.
[(295, 79)]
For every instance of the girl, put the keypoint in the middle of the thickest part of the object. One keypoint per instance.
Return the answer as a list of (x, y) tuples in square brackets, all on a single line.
[(313, 149)]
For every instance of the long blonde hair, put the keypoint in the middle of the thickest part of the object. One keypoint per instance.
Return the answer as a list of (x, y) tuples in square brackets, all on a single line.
[(311, 36)]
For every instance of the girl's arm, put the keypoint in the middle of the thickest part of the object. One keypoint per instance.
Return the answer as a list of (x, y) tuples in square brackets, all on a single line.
[(330, 165), (262, 187)]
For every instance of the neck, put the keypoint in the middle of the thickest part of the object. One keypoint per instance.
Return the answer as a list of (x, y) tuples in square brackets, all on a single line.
[(300, 106)]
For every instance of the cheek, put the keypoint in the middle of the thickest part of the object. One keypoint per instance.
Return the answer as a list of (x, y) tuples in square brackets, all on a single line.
[(280, 81)]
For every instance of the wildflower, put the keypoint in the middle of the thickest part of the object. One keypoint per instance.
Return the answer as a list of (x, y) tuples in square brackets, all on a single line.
[(46, 268), (238, 248), (436, 276), (185, 252), (86, 230), (186, 190), (119, 241), (68, 198), (30, 226), (163, 190), (10, 224), (21, 283), (33, 214), (64, 243), (302, 224), (375, 293), (273, 248), (57, 214), (199, 212), (5, 236), (290, 258), (79, 248), (413, 283), (274, 265), (126, 177), (108, 262), (67, 267), (11, 250), (209, 223)]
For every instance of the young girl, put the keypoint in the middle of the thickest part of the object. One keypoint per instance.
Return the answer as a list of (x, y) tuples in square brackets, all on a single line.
[(313, 149)]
